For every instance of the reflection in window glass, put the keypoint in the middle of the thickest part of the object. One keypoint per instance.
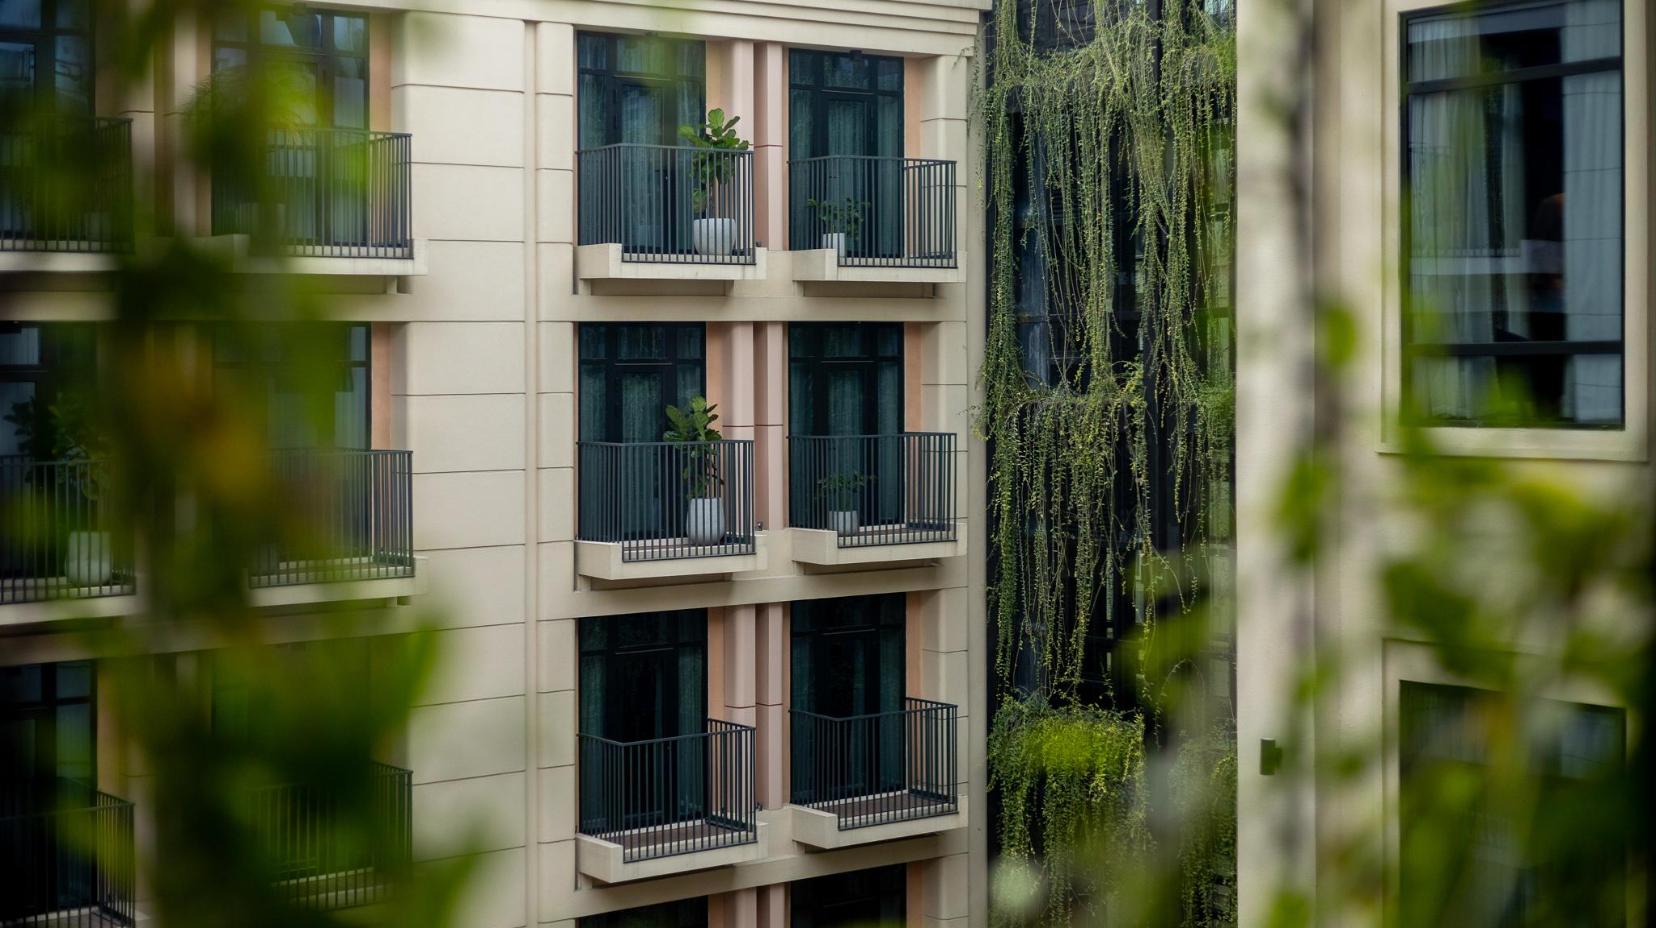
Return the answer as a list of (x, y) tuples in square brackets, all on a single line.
[(1513, 217)]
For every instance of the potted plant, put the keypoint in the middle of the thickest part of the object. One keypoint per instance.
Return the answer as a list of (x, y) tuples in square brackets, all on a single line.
[(704, 520), (710, 166), (67, 438), (841, 492), (841, 221)]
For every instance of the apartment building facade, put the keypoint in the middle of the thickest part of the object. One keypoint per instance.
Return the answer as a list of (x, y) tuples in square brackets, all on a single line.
[(1471, 186), (730, 680)]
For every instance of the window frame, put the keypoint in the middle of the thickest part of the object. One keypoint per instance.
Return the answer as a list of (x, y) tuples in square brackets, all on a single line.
[(324, 59), (613, 78), (1630, 442), (44, 39)]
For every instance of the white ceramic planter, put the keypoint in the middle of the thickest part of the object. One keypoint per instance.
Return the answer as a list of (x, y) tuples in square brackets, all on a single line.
[(835, 241), (704, 523), (87, 560), (843, 521), (716, 236)]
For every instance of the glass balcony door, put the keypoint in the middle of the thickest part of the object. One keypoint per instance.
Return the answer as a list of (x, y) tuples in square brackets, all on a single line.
[(846, 378), (858, 899), (849, 107), (848, 661), (643, 678)]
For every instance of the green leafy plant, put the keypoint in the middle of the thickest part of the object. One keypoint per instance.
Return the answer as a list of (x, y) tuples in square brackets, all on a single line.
[(66, 431), (712, 165), (843, 217), (693, 426), (840, 491)]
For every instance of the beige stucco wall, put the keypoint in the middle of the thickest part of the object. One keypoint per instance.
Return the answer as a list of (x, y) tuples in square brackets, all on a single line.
[(474, 371), (1342, 243)]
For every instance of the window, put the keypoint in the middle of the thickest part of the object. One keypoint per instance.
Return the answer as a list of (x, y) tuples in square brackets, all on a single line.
[(46, 54), (631, 373), (684, 913), (845, 378), (846, 106), (46, 722), (638, 89), (1512, 222), (874, 898), (310, 383), (321, 59), (39, 367), (1555, 865)]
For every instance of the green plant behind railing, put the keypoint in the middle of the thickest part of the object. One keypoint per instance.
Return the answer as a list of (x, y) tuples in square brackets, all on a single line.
[(841, 491), (843, 217), (693, 426), (715, 141)]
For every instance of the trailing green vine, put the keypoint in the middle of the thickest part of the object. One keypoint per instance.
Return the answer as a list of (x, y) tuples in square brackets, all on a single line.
[(1123, 135)]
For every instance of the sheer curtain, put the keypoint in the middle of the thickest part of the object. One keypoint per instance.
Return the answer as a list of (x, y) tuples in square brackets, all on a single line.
[(1593, 210), (1466, 172)]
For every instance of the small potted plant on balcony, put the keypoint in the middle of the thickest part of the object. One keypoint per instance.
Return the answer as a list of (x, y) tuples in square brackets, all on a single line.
[(704, 519), (840, 221), (841, 493), (67, 438), (712, 165)]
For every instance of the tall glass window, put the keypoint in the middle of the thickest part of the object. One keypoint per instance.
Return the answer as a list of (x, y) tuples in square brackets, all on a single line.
[(1511, 870), (1513, 215), (46, 55), (684, 913), (310, 383), (874, 898), (638, 88), (845, 378), (631, 373), (47, 722), (41, 367), (320, 60)]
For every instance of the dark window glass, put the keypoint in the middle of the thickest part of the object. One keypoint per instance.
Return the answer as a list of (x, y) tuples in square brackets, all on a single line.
[(848, 656), (684, 913), (47, 722), (310, 383), (638, 88), (41, 367), (874, 898), (46, 55), (319, 57), (1513, 215), (845, 378), (847, 106), (630, 374), (1561, 867)]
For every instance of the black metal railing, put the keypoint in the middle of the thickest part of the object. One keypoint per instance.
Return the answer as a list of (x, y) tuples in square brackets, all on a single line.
[(357, 510), (668, 500), (326, 193), (668, 204), (66, 185), (65, 856), (670, 796), (56, 532), (879, 768), (874, 489), (320, 862), (874, 212)]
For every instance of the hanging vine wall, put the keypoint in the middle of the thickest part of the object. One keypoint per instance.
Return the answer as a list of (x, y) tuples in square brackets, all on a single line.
[(1107, 394)]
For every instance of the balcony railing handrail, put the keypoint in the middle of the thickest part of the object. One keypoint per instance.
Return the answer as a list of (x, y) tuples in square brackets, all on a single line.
[(327, 198), (96, 209), (668, 204), (903, 159), (663, 500), (674, 795), (881, 489), (880, 767), (875, 210), (65, 862), (364, 509), (57, 537), (295, 819)]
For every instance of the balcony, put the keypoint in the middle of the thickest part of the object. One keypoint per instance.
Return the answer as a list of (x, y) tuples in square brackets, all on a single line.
[(860, 499), (55, 537), (867, 778), (327, 859), (65, 194), (666, 509), (66, 856), (332, 201), (869, 220), (359, 508), (658, 212), (669, 805)]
